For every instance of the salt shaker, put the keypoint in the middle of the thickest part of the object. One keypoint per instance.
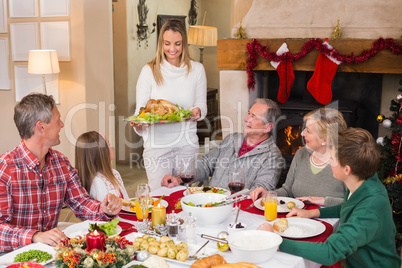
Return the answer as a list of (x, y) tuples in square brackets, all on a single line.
[(190, 228), (173, 224)]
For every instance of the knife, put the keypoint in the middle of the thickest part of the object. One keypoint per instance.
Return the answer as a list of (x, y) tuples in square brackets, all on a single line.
[(251, 206)]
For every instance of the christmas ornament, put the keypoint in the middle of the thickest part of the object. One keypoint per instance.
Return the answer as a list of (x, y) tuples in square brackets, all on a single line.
[(223, 246), (399, 97), (324, 71), (286, 75), (142, 255), (337, 31), (380, 140), (386, 123), (380, 118), (241, 34), (399, 120)]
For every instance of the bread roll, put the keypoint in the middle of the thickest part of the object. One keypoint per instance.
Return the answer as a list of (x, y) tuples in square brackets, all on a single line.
[(290, 205), (209, 262), (281, 225), (237, 265), (262, 202)]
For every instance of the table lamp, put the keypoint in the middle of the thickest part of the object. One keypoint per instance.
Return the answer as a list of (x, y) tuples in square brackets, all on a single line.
[(202, 36), (43, 61)]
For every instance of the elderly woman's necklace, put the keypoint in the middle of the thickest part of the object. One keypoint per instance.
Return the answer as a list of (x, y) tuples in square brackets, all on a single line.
[(316, 164)]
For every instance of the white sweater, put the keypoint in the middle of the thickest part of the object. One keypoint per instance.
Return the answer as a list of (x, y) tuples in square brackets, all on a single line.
[(188, 91)]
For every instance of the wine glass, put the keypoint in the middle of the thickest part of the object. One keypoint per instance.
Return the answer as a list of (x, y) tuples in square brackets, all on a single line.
[(142, 196), (236, 182), (187, 171)]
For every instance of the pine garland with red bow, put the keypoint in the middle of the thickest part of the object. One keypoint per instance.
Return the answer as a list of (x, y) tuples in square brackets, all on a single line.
[(254, 48)]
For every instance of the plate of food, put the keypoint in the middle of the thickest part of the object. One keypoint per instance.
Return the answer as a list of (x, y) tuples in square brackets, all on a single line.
[(161, 247), (29, 252), (206, 189), (298, 227), (81, 229), (160, 112), (130, 207), (285, 204)]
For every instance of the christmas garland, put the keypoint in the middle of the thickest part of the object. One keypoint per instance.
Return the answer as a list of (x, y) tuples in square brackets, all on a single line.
[(254, 48), (72, 253)]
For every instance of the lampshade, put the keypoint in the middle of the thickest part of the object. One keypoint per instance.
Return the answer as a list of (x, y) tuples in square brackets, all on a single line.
[(203, 36), (43, 62)]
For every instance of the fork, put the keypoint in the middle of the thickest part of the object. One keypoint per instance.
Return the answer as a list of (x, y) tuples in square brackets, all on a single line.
[(192, 257)]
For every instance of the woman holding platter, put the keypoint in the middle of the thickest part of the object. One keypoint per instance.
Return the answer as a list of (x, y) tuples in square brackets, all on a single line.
[(174, 77)]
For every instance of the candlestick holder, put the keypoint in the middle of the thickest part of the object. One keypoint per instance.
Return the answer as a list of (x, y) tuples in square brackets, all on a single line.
[(146, 228), (143, 33)]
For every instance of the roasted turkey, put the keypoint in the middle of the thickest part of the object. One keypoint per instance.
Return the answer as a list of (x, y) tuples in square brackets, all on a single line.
[(160, 107)]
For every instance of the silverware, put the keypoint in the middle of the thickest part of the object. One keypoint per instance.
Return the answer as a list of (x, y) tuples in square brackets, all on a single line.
[(237, 215), (195, 254), (251, 206)]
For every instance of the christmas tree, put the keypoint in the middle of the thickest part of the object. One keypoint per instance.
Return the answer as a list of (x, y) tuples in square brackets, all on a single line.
[(390, 171)]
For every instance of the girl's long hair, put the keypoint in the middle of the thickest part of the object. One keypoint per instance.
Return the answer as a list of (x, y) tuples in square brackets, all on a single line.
[(92, 155), (155, 63)]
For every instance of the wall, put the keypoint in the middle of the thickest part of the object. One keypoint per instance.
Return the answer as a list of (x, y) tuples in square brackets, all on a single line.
[(86, 82), (367, 19)]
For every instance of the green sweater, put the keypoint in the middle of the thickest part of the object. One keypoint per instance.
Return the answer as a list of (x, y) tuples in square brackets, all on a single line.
[(365, 236)]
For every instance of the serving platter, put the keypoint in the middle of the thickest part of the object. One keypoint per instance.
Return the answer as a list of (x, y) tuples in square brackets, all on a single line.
[(224, 191), (192, 248), (281, 208), (9, 257), (302, 228), (162, 202), (81, 229), (155, 122)]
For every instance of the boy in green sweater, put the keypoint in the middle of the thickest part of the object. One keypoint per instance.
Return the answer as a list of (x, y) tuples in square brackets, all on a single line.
[(366, 234)]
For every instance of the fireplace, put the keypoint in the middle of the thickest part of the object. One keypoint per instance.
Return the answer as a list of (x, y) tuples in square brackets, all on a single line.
[(357, 96)]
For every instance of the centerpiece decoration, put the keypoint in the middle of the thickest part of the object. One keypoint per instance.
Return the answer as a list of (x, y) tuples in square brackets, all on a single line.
[(74, 252)]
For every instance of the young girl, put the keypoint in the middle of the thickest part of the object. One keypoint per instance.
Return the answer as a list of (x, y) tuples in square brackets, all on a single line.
[(92, 159)]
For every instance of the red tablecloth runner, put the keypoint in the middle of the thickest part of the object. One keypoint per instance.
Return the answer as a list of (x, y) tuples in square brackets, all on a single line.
[(173, 198)]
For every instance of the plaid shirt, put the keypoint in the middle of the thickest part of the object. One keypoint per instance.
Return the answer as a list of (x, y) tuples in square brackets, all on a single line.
[(31, 199)]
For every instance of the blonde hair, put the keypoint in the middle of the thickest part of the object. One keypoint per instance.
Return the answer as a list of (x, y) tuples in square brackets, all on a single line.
[(155, 63), (92, 155), (329, 123)]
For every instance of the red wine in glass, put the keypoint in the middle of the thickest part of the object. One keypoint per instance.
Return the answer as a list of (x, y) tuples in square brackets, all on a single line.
[(187, 178), (236, 186)]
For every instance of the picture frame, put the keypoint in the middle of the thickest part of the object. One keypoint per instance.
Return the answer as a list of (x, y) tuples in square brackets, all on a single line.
[(56, 35), (161, 19), (54, 8), (24, 37), (5, 81), (26, 83), (23, 8), (3, 16)]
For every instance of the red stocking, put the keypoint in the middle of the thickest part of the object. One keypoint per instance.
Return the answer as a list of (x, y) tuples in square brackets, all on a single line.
[(320, 83), (286, 75)]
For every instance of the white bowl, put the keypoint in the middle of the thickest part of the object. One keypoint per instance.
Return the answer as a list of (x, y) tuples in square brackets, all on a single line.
[(234, 230), (206, 215), (256, 245)]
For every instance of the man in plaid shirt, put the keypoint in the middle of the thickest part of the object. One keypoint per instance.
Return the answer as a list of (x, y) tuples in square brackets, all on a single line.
[(36, 180)]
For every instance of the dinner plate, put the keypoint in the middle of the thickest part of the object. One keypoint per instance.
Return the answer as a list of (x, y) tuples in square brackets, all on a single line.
[(192, 248), (281, 208), (162, 202), (302, 228), (226, 191), (81, 229), (9, 257)]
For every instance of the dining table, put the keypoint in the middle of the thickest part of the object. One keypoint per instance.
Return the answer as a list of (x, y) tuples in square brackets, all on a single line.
[(252, 217)]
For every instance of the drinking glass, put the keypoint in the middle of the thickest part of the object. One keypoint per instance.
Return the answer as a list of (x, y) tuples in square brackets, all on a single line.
[(187, 171), (236, 182), (142, 196), (271, 206)]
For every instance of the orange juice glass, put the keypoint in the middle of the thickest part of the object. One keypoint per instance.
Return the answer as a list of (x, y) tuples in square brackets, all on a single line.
[(270, 210)]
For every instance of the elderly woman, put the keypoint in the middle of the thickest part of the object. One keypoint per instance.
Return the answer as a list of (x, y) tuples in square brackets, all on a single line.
[(310, 176)]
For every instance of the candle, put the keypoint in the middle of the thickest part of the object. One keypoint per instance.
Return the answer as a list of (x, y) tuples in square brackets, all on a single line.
[(96, 239), (138, 19), (156, 14), (158, 215), (203, 21)]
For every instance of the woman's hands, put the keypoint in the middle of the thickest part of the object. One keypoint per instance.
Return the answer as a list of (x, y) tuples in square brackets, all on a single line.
[(170, 181), (313, 200), (196, 114), (139, 127), (111, 205)]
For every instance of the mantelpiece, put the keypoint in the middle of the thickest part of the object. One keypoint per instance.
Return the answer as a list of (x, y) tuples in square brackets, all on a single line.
[(232, 55)]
